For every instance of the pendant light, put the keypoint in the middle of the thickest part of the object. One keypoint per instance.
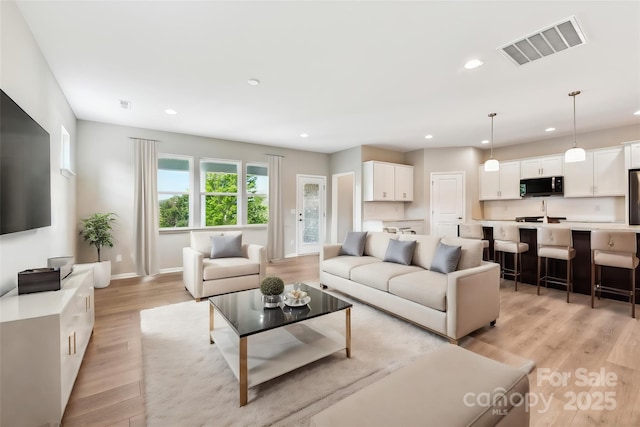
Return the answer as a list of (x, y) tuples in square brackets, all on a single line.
[(575, 153), (492, 164)]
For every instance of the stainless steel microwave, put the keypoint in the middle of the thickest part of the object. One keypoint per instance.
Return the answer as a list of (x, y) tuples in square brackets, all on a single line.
[(548, 186)]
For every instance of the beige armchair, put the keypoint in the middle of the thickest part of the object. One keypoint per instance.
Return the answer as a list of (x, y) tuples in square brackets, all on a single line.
[(204, 277)]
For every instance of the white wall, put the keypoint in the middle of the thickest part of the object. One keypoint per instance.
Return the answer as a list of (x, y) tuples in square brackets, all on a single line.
[(25, 76), (350, 160), (105, 184)]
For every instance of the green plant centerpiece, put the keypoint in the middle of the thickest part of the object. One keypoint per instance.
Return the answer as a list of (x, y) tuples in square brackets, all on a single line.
[(97, 231), (272, 288)]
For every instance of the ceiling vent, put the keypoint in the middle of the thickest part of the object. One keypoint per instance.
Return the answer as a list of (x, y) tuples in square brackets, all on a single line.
[(556, 38)]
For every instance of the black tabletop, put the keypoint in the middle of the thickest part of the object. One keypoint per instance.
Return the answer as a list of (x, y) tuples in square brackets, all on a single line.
[(245, 312)]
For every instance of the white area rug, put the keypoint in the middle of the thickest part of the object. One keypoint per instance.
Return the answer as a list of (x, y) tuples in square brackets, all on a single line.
[(188, 383)]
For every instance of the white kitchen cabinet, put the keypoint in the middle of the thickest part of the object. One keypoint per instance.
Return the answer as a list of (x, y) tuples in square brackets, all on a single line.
[(387, 182), (635, 155), (44, 337), (503, 184), (540, 167), (403, 191), (601, 174)]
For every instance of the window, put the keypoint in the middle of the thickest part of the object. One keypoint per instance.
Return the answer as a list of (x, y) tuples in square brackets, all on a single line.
[(219, 183), (65, 153), (257, 194), (174, 186)]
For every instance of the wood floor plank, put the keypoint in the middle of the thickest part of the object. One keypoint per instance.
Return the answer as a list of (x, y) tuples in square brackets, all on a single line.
[(109, 390)]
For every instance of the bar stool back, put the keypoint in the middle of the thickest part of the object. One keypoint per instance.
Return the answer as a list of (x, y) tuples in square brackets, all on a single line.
[(507, 240), (614, 249), (474, 231), (555, 243)]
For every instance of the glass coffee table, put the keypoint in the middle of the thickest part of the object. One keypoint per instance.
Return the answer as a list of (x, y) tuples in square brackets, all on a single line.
[(260, 344)]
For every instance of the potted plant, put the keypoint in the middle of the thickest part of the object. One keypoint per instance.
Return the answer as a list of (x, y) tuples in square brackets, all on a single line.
[(271, 288), (97, 230)]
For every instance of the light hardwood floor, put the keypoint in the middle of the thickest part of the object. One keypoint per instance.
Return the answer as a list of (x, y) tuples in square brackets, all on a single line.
[(559, 337)]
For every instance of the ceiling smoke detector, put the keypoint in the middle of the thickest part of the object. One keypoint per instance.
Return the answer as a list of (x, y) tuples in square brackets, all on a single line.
[(124, 104), (548, 41)]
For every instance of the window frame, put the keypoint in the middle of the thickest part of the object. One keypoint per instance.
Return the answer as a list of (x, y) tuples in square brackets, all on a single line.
[(247, 194), (240, 188), (190, 159)]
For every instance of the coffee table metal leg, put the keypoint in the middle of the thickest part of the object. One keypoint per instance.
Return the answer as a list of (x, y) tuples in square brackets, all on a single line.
[(210, 323), (348, 331), (243, 371)]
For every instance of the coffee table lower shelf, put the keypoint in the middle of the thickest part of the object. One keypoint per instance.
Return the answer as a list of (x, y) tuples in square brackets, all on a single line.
[(277, 351)]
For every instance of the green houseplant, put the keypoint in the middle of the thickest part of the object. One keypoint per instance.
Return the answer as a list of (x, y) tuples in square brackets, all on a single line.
[(97, 231), (271, 288)]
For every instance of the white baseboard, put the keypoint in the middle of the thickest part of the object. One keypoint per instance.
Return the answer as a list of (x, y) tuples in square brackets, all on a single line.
[(123, 276), (171, 270)]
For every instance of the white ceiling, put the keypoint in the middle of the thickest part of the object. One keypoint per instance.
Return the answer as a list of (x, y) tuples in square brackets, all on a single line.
[(346, 73)]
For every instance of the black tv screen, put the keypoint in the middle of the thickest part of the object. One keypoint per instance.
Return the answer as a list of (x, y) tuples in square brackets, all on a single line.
[(25, 176)]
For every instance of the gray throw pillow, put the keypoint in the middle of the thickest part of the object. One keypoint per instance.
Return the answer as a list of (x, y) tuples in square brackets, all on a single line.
[(226, 246), (354, 243), (400, 251), (446, 258)]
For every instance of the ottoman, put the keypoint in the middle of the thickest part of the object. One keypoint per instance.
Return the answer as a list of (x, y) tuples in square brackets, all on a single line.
[(448, 387)]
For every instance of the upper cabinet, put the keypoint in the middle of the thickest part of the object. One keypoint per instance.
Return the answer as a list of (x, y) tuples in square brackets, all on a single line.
[(601, 174), (541, 167), (387, 182), (503, 184), (634, 162)]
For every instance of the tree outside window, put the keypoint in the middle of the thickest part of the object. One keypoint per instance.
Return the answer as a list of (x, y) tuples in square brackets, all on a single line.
[(219, 192), (257, 194)]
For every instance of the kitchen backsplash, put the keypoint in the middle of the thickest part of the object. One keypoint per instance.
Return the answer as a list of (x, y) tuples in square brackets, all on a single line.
[(383, 210), (588, 209)]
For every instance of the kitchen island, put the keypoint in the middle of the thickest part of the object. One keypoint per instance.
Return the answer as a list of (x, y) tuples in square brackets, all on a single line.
[(581, 234)]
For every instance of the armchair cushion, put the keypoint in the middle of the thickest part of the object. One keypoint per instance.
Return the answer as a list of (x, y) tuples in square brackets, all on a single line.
[(226, 246), (221, 268)]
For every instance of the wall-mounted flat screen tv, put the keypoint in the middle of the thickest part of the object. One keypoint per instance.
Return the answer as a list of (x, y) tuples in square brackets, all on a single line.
[(25, 171)]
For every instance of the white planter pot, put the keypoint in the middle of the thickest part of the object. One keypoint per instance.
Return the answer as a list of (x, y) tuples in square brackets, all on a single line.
[(101, 274)]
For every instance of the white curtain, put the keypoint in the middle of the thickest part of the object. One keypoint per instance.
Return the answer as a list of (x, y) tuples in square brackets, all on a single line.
[(275, 238), (146, 206)]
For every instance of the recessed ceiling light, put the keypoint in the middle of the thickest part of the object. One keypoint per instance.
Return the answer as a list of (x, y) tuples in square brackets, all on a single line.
[(484, 141), (171, 112), (549, 129), (637, 113), (474, 63), (253, 82), (428, 136), (304, 135)]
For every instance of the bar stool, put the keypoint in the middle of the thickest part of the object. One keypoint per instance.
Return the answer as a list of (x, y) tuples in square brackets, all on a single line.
[(613, 249), (474, 231), (507, 240), (555, 243)]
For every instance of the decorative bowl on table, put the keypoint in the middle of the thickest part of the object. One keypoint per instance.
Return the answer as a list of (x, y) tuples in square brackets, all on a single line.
[(296, 298)]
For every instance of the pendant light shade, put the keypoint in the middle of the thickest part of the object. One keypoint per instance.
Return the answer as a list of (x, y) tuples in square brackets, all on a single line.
[(575, 153), (492, 164)]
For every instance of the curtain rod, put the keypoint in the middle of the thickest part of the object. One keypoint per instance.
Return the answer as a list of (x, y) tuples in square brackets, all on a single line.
[(146, 139), (275, 155)]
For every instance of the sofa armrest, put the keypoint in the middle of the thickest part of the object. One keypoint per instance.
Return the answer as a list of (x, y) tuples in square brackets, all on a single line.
[(331, 250), (192, 271), (257, 253), (473, 298)]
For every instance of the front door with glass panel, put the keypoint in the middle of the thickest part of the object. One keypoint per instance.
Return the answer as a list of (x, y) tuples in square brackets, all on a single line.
[(310, 214)]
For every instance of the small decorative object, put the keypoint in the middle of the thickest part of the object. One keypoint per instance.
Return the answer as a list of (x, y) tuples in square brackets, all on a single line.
[(271, 288), (97, 230), (297, 298)]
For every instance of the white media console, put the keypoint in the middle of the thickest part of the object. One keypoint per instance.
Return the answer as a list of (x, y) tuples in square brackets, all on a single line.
[(43, 338)]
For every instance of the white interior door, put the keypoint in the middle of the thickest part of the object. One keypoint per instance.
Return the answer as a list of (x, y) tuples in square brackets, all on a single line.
[(311, 216), (447, 203)]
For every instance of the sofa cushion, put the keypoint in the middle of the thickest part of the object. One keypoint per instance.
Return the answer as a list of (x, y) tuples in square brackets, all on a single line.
[(425, 248), (377, 242), (471, 255), (400, 252), (377, 275), (221, 268), (201, 240), (229, 246), (425, 287), (446, 258), (354, 243), (341, 265)]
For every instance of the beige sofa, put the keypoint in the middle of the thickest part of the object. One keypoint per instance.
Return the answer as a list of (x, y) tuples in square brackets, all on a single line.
[(452, 305), (204, 277)]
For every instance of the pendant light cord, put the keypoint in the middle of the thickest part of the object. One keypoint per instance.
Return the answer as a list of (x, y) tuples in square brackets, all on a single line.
[(573, 95), (492, 115)]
